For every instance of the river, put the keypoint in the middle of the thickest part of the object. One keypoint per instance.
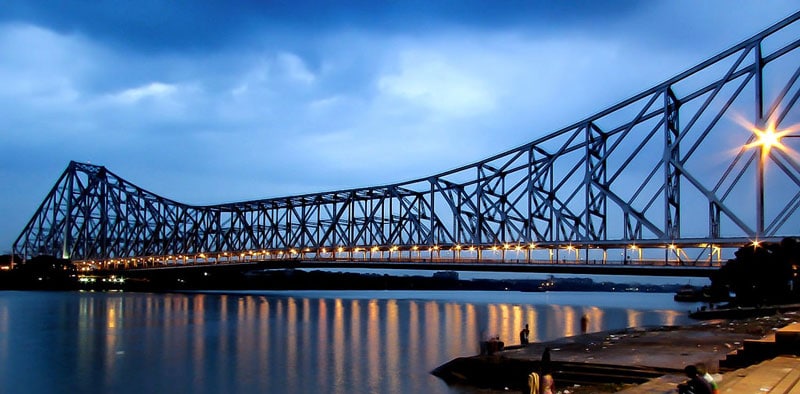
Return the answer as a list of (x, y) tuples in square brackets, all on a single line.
[(283, 342)]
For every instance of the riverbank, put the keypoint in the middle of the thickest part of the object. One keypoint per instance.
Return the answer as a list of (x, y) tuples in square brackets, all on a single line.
[(743, 312), (644, 352), (55, 274)]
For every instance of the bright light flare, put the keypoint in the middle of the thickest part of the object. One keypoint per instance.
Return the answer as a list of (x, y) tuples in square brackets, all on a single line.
[(769, 137)]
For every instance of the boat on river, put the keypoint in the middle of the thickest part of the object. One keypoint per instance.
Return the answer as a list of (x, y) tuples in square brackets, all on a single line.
[(689, 293)]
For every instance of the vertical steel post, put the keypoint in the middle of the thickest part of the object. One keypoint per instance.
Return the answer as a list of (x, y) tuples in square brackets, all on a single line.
[(103, 217), (671, 173), (67, 216), (759, 107)]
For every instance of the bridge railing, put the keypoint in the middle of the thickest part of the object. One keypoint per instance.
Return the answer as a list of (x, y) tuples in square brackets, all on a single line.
[(367, 259)]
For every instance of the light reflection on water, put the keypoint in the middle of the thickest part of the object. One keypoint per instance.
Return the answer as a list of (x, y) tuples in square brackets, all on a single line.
[(280, 342)]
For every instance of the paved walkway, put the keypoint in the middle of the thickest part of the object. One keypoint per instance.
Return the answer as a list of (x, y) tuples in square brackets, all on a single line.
[(780, 375), (671, 348)]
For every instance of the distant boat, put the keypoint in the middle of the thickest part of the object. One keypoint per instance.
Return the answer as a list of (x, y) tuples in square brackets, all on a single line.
[(690, 293)]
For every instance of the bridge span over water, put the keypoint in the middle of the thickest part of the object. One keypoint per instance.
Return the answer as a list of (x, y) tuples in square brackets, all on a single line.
[(538, 267), (678, 175)]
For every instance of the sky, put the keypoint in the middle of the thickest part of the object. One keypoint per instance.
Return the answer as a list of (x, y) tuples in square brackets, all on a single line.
[(240, 100)]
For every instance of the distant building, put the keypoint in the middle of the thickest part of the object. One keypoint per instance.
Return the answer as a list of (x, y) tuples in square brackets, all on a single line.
[(7, 262)]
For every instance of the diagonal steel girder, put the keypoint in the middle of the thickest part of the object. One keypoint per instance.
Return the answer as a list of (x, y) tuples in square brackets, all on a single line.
[(669, 165)]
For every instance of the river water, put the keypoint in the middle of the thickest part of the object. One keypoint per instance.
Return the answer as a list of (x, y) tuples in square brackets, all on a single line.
[(283, 342)]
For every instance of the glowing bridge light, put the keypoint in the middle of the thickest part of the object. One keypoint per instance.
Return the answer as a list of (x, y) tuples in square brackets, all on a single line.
[(768, 138)]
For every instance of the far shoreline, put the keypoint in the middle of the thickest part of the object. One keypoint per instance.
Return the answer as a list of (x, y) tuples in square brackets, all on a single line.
[(222, 278)]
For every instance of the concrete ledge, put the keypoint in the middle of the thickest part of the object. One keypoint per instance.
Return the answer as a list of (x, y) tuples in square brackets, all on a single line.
[(787, 339)]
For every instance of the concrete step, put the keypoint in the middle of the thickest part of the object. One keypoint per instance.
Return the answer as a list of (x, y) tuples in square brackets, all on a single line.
[(788, 383), (661, 385), (752, 351), (763, 377), (788, 339), (780, 375)]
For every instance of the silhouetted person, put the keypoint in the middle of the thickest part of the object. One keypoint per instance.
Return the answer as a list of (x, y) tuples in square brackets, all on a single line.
[(544, 365), (696, 384), (523, 335), (584, 323)]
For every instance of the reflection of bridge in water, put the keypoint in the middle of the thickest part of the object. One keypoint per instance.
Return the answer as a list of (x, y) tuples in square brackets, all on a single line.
[(674, 176), (357, 337)]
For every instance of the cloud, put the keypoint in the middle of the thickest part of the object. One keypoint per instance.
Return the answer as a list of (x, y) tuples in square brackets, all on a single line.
[(152, 26), (152, 90), (39, 65), (294, 68), (429, 80)]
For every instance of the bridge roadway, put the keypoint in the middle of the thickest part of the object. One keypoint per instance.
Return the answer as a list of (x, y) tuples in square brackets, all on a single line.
[(447, 265)]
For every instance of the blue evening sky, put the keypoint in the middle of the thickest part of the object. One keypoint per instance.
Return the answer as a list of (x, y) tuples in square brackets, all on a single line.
[(239, 100)]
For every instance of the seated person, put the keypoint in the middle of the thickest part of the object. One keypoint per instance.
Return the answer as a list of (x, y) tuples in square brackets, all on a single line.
[(696, 384)]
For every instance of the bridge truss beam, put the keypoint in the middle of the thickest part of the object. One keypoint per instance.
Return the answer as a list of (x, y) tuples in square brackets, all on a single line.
[(676, 166)]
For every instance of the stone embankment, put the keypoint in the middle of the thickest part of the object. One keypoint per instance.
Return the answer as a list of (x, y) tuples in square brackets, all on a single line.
[(613, 360)]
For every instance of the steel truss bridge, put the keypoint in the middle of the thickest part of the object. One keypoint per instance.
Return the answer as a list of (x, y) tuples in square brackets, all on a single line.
[(701, 163)]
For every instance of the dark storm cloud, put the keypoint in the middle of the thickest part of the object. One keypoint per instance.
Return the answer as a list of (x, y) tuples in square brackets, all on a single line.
[(153, 25)]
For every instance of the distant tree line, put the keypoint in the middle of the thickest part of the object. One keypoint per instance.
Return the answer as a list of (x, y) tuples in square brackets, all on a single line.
[(42, 272), (761, 274)]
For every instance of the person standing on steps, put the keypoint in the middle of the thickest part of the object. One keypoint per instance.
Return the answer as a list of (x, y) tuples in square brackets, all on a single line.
[(544, 364), (524, 335)]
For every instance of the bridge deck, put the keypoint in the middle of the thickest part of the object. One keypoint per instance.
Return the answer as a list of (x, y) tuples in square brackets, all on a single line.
[(586, 269)]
